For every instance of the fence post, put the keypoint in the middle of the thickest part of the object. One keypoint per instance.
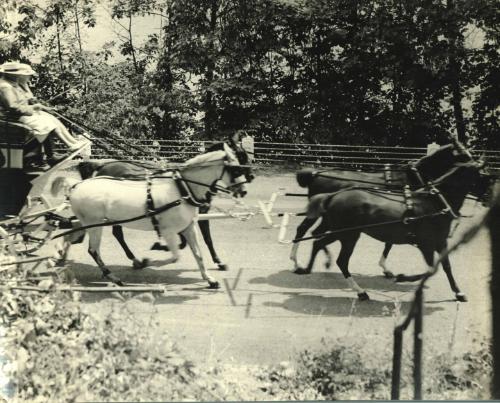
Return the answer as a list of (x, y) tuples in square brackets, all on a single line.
[(431, 147), (396, 362), (418, 344), (248, 144)]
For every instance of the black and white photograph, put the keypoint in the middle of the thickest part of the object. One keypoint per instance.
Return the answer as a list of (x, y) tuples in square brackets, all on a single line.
[(249, 200)]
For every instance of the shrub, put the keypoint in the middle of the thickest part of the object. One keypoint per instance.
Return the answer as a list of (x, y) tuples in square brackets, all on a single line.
[(57, 352)]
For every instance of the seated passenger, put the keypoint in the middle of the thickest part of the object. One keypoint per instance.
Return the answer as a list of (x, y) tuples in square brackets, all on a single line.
[(17, 103)]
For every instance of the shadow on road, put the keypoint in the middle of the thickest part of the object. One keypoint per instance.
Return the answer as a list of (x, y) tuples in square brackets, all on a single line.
[(85, 273), (328, 281), (342, 306)]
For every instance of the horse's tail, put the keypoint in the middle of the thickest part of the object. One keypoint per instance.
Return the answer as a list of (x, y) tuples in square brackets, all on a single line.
[(87, 168), (305, 177), (62, 183), (318, 204)]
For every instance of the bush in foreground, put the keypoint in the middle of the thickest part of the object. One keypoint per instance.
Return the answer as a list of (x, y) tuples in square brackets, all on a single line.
[(343, 372), (54, 351)]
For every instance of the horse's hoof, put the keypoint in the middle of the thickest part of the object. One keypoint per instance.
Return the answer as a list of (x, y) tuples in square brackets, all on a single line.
[(213, 285), (300, 270), (222, 267), (400, 278), (388, 274), (60, 262), (159, 246), (114, 279), (363, 296), (140, 264), (328, 265), (461, 297)]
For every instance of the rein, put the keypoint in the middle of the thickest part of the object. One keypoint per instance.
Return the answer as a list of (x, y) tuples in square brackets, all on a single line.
[(406, 220)]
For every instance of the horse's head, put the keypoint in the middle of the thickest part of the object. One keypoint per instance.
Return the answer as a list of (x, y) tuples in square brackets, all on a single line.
[(241, 155), (469, 178), (483, 185), (442, 160), (237, 171)]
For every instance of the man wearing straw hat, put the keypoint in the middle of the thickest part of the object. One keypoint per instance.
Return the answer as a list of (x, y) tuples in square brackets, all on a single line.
[(18, 103)]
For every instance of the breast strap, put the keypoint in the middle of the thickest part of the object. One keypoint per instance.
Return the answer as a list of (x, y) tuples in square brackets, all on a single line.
[(150, 205)]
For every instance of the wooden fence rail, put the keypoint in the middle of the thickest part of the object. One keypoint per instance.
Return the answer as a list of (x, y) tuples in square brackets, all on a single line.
[(342, 156)]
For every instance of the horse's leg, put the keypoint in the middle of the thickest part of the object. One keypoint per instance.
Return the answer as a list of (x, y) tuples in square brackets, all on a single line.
[(447, 269), (207, 237), (301, 230), (136, 263), (383, 259), (95, 236), (159, 246), (318, 245), (192, 239), (328, 263), (428, 253), (171, 239), (63, 250), (348, 244)]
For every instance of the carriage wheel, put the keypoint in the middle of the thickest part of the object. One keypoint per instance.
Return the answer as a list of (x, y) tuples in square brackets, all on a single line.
[(32, 230)]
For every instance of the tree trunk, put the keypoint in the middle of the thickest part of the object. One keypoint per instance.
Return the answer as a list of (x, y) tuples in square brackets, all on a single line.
[(210, 109), (454, 71), (59, 45), (132, 49), (80, 47), (494, 227)]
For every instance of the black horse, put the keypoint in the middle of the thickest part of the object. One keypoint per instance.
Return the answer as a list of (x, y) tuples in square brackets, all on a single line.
[(131, 170), (385, 216), (414, 175)]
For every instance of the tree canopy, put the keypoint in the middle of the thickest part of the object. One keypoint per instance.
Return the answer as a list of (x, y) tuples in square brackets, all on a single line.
[(386, 72)]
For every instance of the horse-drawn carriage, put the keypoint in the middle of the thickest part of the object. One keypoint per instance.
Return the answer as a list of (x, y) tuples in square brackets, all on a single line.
[(27, 217)]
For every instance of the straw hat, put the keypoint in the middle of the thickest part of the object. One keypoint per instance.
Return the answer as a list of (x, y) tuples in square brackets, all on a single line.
[(16, 68)]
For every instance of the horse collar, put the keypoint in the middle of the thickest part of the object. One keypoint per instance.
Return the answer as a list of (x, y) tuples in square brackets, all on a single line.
[(186, 192)]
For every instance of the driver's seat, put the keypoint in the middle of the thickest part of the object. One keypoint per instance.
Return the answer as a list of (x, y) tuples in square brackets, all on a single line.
[(16, 144)]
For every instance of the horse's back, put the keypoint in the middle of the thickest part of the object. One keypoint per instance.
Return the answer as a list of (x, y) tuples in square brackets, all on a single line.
[(103, 198), (122, 169), (332, 181)]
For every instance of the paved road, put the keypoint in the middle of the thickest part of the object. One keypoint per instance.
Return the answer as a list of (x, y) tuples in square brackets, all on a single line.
[(263, 313)]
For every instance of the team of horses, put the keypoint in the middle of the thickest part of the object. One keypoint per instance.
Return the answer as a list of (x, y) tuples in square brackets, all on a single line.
[(410, 204)]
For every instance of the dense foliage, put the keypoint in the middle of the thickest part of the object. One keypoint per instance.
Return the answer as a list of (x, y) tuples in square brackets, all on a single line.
[(53, 349), (337, 71)]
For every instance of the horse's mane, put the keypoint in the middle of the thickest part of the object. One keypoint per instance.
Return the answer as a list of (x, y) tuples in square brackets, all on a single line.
[(204, 158)]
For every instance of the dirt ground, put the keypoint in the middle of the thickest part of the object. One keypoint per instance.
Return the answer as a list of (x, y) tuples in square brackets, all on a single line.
[(265, 314)]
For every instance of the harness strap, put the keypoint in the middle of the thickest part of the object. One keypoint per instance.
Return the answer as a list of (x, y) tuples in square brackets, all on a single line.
[(150, 205), (186, 192), (414, 169), (448, 208)]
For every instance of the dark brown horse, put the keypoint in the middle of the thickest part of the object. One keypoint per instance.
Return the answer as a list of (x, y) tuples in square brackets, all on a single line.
[(132, 170), (385, 216), (415, 175)]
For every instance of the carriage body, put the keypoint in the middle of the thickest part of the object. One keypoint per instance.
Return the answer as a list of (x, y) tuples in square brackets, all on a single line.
[(15, 182)]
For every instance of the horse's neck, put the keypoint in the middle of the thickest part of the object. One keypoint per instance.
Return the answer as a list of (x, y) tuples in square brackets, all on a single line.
[(199, 180), (454, 192)]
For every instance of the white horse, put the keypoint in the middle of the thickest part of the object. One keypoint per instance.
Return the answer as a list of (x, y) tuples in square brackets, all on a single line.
[(106, 200)]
